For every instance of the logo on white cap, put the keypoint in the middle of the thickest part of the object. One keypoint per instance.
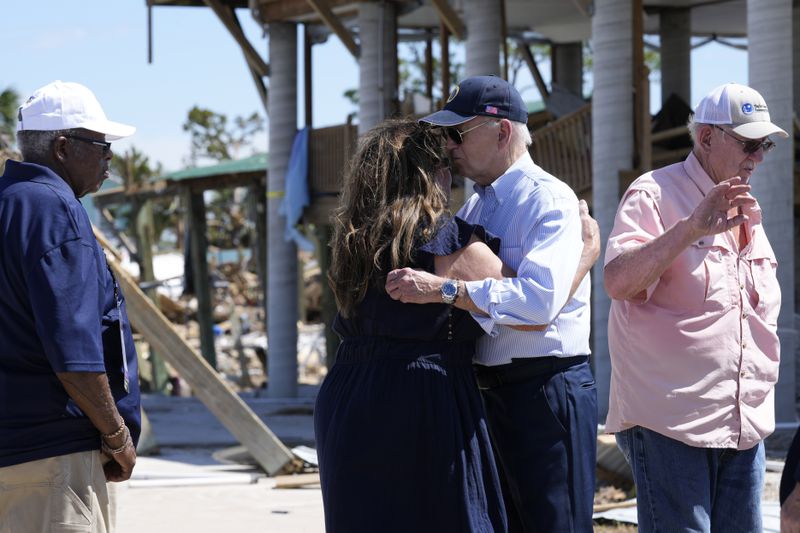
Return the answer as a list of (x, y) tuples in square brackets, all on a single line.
[(747, 109)]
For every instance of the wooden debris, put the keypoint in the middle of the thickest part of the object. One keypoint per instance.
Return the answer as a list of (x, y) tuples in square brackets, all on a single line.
[(296, 481), (209, 387)]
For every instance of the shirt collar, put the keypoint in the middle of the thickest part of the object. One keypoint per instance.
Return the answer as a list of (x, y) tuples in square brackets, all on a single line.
[(697, 174), (504, 185), (21, 170)]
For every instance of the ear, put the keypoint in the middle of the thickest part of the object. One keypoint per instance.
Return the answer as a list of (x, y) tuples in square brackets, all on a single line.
[(60, 149), (504, 133), (704, 137)]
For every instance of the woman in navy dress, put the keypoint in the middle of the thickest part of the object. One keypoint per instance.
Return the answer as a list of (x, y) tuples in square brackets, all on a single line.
[(401, 435)]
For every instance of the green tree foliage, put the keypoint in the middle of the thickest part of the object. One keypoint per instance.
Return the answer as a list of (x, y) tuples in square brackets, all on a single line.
[(412, 69), (136, 171), (213, 137), (9, 103)]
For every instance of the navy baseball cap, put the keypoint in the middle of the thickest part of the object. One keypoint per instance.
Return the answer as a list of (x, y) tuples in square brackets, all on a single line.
[(490, 96)]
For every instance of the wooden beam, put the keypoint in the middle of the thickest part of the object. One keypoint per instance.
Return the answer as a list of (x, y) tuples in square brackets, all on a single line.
[(504, 37), (584, 6), (641, 99), (302, 480), (119, 234), (145, 237), (429, 68), (525, 51), (196, 222), (298, 10), (229, 20), (335, 25), (261, 88), (450, 19), (307, 76), (206, 384), (444, 46)]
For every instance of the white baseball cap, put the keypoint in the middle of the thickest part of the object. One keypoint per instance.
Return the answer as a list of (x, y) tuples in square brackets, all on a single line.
[(740, 106), (65, 105)]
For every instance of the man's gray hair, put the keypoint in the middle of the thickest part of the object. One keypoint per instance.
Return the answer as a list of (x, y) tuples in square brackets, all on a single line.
[(693, 126), (35, 145), (522, 133)]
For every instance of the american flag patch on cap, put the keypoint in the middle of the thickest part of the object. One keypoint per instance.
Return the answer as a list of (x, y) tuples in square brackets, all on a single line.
[(491, 109)]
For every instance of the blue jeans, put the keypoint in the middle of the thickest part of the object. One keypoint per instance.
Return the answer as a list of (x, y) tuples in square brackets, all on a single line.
[(683, 488), (544, 429)]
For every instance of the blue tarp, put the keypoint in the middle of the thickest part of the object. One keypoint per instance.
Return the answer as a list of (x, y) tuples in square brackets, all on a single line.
[(297, 197)]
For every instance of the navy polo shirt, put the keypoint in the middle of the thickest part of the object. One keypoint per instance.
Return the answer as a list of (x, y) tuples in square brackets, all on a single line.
[(58, 313)]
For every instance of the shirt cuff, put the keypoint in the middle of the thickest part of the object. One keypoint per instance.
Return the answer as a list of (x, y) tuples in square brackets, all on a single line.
[(477, 296)]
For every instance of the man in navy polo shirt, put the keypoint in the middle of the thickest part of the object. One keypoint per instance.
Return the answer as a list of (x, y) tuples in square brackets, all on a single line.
[(69, 393)]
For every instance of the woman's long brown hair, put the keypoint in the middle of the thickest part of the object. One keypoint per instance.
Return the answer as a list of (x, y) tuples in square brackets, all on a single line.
[(390, 202)]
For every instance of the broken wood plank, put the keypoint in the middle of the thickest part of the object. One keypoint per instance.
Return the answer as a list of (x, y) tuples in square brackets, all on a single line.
[(295, 481), (600, 507), (208, 386)]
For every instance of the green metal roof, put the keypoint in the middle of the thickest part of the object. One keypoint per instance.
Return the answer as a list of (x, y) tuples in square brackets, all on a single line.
[(254, 163), (535, 107)]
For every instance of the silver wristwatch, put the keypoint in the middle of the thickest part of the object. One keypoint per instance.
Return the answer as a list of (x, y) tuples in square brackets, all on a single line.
[(450, 291)]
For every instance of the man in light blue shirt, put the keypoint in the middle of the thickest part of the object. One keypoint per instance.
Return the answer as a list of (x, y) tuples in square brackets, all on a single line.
[(537, 386)]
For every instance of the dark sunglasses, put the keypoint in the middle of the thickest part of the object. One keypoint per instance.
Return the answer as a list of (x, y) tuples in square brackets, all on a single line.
[(750, 146), (106, 145), (457, 136)]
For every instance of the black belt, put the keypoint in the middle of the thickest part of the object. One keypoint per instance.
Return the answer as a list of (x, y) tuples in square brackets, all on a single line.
[(521, 370)]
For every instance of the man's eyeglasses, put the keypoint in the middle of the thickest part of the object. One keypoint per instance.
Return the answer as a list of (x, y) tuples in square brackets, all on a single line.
[(106, 145), (750, 146), (457, 136)]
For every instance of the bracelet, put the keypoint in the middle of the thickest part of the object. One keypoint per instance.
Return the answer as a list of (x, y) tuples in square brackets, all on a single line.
[(108, 450), (117, 433)]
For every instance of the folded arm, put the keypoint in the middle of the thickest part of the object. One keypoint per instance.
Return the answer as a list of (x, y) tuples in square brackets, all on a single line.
[(476, 262)]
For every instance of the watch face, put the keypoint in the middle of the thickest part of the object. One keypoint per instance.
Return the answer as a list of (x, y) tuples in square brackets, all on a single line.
[(449, 291)]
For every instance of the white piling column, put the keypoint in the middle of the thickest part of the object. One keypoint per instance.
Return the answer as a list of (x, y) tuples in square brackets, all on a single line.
[(769, 29), (282, 292), (482, 18), (612, 151), (377, 90)]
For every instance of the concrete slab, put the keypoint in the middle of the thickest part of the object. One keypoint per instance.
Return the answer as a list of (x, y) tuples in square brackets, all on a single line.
[(186, 422), (186, 488)]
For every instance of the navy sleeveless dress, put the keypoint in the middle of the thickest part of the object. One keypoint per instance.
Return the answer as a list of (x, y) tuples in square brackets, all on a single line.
[(401, 434)]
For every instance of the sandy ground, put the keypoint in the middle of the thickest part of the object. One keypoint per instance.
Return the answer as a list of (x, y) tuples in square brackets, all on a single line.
[(228, 508), (191, 487)]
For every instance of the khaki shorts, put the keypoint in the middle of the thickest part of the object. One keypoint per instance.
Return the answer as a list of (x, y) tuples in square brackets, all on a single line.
[(64, 494)]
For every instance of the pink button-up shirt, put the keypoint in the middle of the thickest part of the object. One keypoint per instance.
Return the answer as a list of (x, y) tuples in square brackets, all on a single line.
[(696, 359)]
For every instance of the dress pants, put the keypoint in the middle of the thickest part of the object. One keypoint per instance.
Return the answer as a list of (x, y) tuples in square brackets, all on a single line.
[(542, 415)]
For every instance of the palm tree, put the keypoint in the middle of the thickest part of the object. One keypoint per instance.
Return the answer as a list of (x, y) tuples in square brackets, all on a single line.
[(9, 102)]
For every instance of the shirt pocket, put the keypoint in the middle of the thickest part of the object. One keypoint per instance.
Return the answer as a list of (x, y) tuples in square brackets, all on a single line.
[(696, 280), (765, 280)]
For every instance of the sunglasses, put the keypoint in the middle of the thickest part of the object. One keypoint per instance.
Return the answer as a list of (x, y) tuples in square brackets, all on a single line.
[(750, 146), (457, 136), (106, 145)]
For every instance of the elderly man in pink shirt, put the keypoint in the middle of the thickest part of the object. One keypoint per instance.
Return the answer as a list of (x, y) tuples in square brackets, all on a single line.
[(693, 325)]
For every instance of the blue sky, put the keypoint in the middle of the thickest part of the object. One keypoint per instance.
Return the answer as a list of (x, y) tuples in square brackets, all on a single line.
[(103, 44)]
